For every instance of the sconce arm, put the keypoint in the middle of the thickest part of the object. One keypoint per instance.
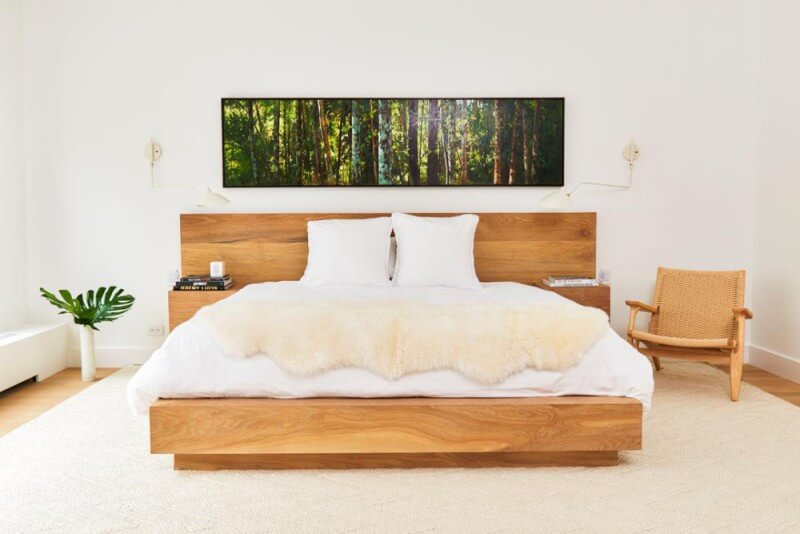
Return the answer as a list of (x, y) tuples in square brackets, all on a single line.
[(613, 186), (154, 185)]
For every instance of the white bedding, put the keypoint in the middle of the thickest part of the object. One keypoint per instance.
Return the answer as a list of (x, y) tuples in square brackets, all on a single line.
[(192, 364)]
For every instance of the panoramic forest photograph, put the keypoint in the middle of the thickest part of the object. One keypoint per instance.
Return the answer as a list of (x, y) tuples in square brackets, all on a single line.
[(402, 142)]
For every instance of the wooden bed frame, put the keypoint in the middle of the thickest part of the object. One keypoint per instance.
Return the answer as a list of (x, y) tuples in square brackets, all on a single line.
[(262, 433)]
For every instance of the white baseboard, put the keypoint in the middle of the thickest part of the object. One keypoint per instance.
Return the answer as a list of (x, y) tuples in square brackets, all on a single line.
[(114, 356), (776, 363)]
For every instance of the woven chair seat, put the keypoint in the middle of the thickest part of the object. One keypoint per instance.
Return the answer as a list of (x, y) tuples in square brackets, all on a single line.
[(682, 342)]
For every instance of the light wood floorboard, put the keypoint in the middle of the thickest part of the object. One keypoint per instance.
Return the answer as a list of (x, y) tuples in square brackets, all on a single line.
[(24, 402), (773, 384), (27, 400)]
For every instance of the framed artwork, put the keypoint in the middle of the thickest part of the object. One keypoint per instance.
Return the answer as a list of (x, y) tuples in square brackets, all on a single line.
[(324, 142)]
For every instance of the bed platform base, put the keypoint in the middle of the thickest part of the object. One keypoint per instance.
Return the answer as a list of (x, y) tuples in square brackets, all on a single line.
[(208, 434), (213, 462)]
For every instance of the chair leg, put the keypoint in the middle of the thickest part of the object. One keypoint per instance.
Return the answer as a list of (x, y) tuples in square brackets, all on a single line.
[(656, 359), (736, 373)]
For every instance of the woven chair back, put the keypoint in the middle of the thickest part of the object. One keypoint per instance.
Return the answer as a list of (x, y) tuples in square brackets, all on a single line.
[(697, 304)]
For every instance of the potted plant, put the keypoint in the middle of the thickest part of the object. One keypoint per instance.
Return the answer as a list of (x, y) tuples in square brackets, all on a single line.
[(103, 305)]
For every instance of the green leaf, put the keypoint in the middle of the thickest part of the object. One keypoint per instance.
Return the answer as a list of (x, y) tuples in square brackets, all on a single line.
[(102, 305), (66, 295)]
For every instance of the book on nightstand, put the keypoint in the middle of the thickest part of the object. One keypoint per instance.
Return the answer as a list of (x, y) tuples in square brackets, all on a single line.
[(195, 282), (570, 281)]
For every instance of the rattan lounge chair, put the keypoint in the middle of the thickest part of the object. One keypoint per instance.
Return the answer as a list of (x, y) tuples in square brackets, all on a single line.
[(696, 315)]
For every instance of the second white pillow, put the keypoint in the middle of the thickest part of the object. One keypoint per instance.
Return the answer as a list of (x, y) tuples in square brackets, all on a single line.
[(435, 251)]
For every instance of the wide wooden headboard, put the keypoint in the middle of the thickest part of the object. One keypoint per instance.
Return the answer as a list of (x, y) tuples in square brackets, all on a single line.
[(263, 247)]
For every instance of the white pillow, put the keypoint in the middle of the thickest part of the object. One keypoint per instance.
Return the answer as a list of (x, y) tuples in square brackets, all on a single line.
[(435, 251), (349, 252)]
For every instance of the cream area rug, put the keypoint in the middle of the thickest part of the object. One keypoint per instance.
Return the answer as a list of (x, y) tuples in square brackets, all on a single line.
[(708, 465)]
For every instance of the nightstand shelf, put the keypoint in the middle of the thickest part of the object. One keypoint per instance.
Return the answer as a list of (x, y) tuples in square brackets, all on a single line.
[(184, 304), (596, 296)]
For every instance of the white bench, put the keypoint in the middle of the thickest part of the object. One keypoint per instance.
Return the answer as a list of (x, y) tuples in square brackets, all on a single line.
[(32, 352)]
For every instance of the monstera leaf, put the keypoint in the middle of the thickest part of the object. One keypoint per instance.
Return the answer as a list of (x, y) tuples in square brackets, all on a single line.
[(103, 305)]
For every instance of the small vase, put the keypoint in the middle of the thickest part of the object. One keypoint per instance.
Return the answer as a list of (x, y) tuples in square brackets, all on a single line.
[(87, 354)]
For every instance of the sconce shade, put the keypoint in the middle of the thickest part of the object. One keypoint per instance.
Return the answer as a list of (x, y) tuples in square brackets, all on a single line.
[(209, 198)]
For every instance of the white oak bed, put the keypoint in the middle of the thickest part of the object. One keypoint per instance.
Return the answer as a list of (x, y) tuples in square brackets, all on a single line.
[(264, 433)]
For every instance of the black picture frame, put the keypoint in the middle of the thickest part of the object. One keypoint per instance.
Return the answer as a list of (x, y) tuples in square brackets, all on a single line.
[(559, 102)]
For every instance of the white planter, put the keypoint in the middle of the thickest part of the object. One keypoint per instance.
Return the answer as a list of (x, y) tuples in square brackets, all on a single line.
[(88, 363)]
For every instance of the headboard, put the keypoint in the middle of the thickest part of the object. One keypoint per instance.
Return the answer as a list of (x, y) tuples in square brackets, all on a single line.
[(262, 247)]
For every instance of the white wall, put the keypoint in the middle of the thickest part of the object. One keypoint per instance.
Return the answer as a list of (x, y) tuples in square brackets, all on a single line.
[(102, 77), (777, 218), (13, 255)]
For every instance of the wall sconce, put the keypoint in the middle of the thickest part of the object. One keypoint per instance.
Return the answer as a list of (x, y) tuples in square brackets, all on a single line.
[(206, 197), (563, 199)]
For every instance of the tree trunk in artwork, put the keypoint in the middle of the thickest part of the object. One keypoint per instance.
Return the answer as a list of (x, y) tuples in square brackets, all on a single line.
[(251, 140), (384, 143), (374, 140), (498, 139), (323, 126), (413, 148), (286, 150), (298, 154), (537, 126), (276, 138), (512, 168), (318, 179), (339, 137), (399, 158), (443, 113), (355, 140), (452, 150), (525, 147), (465, 146), (262, 128), (433, 153)]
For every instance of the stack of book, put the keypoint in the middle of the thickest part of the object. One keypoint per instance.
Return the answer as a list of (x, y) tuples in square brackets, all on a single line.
[(570, 281), (200, 282)]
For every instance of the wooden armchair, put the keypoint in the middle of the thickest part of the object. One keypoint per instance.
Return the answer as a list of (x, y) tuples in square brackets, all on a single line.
[(696, 315)]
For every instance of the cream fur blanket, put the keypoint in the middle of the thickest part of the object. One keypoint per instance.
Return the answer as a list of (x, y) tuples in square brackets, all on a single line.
[(485, 341)]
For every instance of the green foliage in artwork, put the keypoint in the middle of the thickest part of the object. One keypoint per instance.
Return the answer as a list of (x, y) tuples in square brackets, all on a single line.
[(316, 142)]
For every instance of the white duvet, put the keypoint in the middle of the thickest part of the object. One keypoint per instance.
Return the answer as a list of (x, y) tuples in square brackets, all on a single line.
[(191, 363)]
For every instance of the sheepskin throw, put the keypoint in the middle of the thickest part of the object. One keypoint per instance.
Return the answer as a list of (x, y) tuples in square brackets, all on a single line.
[(487, 342)]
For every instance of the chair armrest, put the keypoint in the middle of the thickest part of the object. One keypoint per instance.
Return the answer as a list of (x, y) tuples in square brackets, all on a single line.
[(642, 306), (636, 307), (740, 315)]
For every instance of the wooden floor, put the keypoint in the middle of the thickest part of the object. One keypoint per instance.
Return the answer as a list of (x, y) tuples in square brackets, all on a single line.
[(780, 387), (26, 401), (29, 399)]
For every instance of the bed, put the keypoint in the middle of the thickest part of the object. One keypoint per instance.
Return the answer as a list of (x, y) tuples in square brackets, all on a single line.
[(214, 412)]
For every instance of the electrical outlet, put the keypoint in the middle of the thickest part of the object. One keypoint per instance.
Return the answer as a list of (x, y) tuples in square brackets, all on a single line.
[(604, 276), (155, 330), (173, 276)]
